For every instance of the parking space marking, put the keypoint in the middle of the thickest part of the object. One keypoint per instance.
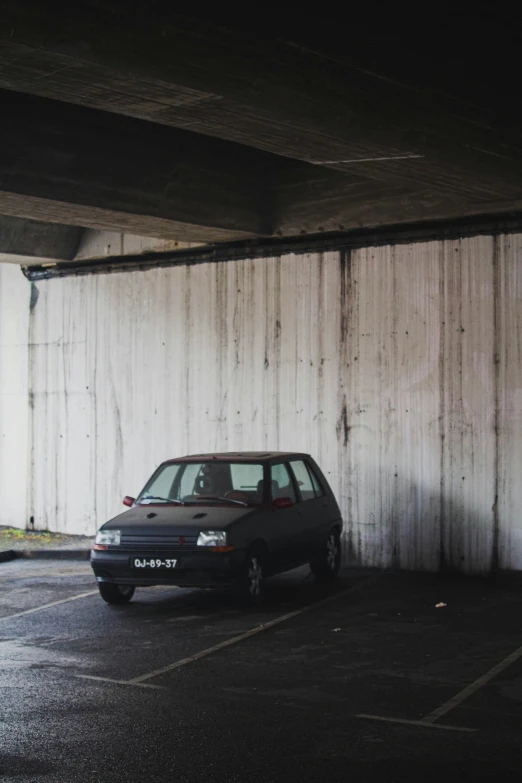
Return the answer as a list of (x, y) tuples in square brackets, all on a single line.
[(473, 687), (423, 722), (428, 722), (48, 606), (118, 682), (247, 634)]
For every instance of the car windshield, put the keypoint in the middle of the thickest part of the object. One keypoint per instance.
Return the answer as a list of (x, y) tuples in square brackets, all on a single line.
[(231, 483)]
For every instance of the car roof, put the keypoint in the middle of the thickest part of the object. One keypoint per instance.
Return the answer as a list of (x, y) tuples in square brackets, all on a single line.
[(247, 456)]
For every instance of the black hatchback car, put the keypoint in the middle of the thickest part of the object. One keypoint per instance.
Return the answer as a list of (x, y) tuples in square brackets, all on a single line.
[(214, 520)]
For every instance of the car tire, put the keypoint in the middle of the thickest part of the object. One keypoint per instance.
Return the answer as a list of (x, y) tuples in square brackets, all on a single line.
[(116, 594), (325, 567), (251, 584)]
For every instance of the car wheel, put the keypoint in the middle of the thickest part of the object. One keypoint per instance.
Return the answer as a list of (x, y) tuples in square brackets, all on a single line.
[(325, 566), (116, 594), (251, 585)]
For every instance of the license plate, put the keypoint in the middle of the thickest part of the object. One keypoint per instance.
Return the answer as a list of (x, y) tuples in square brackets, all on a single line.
[(149, 564)]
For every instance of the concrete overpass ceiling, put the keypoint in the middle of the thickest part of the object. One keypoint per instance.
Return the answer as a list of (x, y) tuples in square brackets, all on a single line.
[(80, 166), (241, 125)]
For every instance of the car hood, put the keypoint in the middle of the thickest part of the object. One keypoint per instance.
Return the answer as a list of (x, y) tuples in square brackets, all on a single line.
[(184, 519)]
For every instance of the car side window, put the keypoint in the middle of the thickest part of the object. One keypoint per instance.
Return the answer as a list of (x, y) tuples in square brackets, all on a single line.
[(304, 481), (282, 486), (319, 491), (246, 477)]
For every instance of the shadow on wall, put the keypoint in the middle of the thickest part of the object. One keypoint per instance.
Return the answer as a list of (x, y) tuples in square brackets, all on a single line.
[(411, 525)]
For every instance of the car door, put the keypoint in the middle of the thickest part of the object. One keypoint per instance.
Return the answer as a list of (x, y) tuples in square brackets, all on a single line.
[(312, 506), (288, 528)]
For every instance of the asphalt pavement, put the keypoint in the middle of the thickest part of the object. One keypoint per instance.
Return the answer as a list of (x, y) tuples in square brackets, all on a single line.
[(370, 680)]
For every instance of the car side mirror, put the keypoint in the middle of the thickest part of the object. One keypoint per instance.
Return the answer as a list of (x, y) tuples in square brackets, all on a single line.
[(280, 503), (128, 501)]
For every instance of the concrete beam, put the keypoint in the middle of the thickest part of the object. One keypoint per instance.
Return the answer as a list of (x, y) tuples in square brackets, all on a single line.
[(108, 244), (72, 165), (310, 203), (24, 238), (29, 243)]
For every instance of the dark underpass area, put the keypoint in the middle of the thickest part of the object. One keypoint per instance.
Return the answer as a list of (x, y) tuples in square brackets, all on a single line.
[(370, 680), (272, 261)]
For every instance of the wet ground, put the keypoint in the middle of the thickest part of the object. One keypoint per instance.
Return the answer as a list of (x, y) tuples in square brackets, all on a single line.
[(368, 681)]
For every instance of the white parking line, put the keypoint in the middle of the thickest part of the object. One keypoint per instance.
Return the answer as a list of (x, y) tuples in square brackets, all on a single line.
[(118, 682), (48, 606), (252, 632), (428, 722), (423, 723), (203, 653), (473, 687)]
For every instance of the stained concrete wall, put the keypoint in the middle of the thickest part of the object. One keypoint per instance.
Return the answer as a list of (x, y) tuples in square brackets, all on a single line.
[(399, 368), (15, 304)]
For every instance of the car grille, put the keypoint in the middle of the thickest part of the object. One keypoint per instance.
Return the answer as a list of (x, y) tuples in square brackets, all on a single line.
[(144, 543)]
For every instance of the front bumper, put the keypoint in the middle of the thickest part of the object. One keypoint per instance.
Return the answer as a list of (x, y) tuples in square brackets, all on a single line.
[(193, 569)]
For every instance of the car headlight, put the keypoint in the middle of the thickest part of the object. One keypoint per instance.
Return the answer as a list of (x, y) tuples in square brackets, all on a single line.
[(108, 537), (212, 538)]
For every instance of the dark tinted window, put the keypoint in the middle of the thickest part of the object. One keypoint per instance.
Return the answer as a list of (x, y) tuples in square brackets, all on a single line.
[(282, 486), (304, 482)]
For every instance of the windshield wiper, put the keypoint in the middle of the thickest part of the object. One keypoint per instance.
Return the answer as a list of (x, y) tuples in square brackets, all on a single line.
[(233, 500), (166, 500), (204, 499)]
